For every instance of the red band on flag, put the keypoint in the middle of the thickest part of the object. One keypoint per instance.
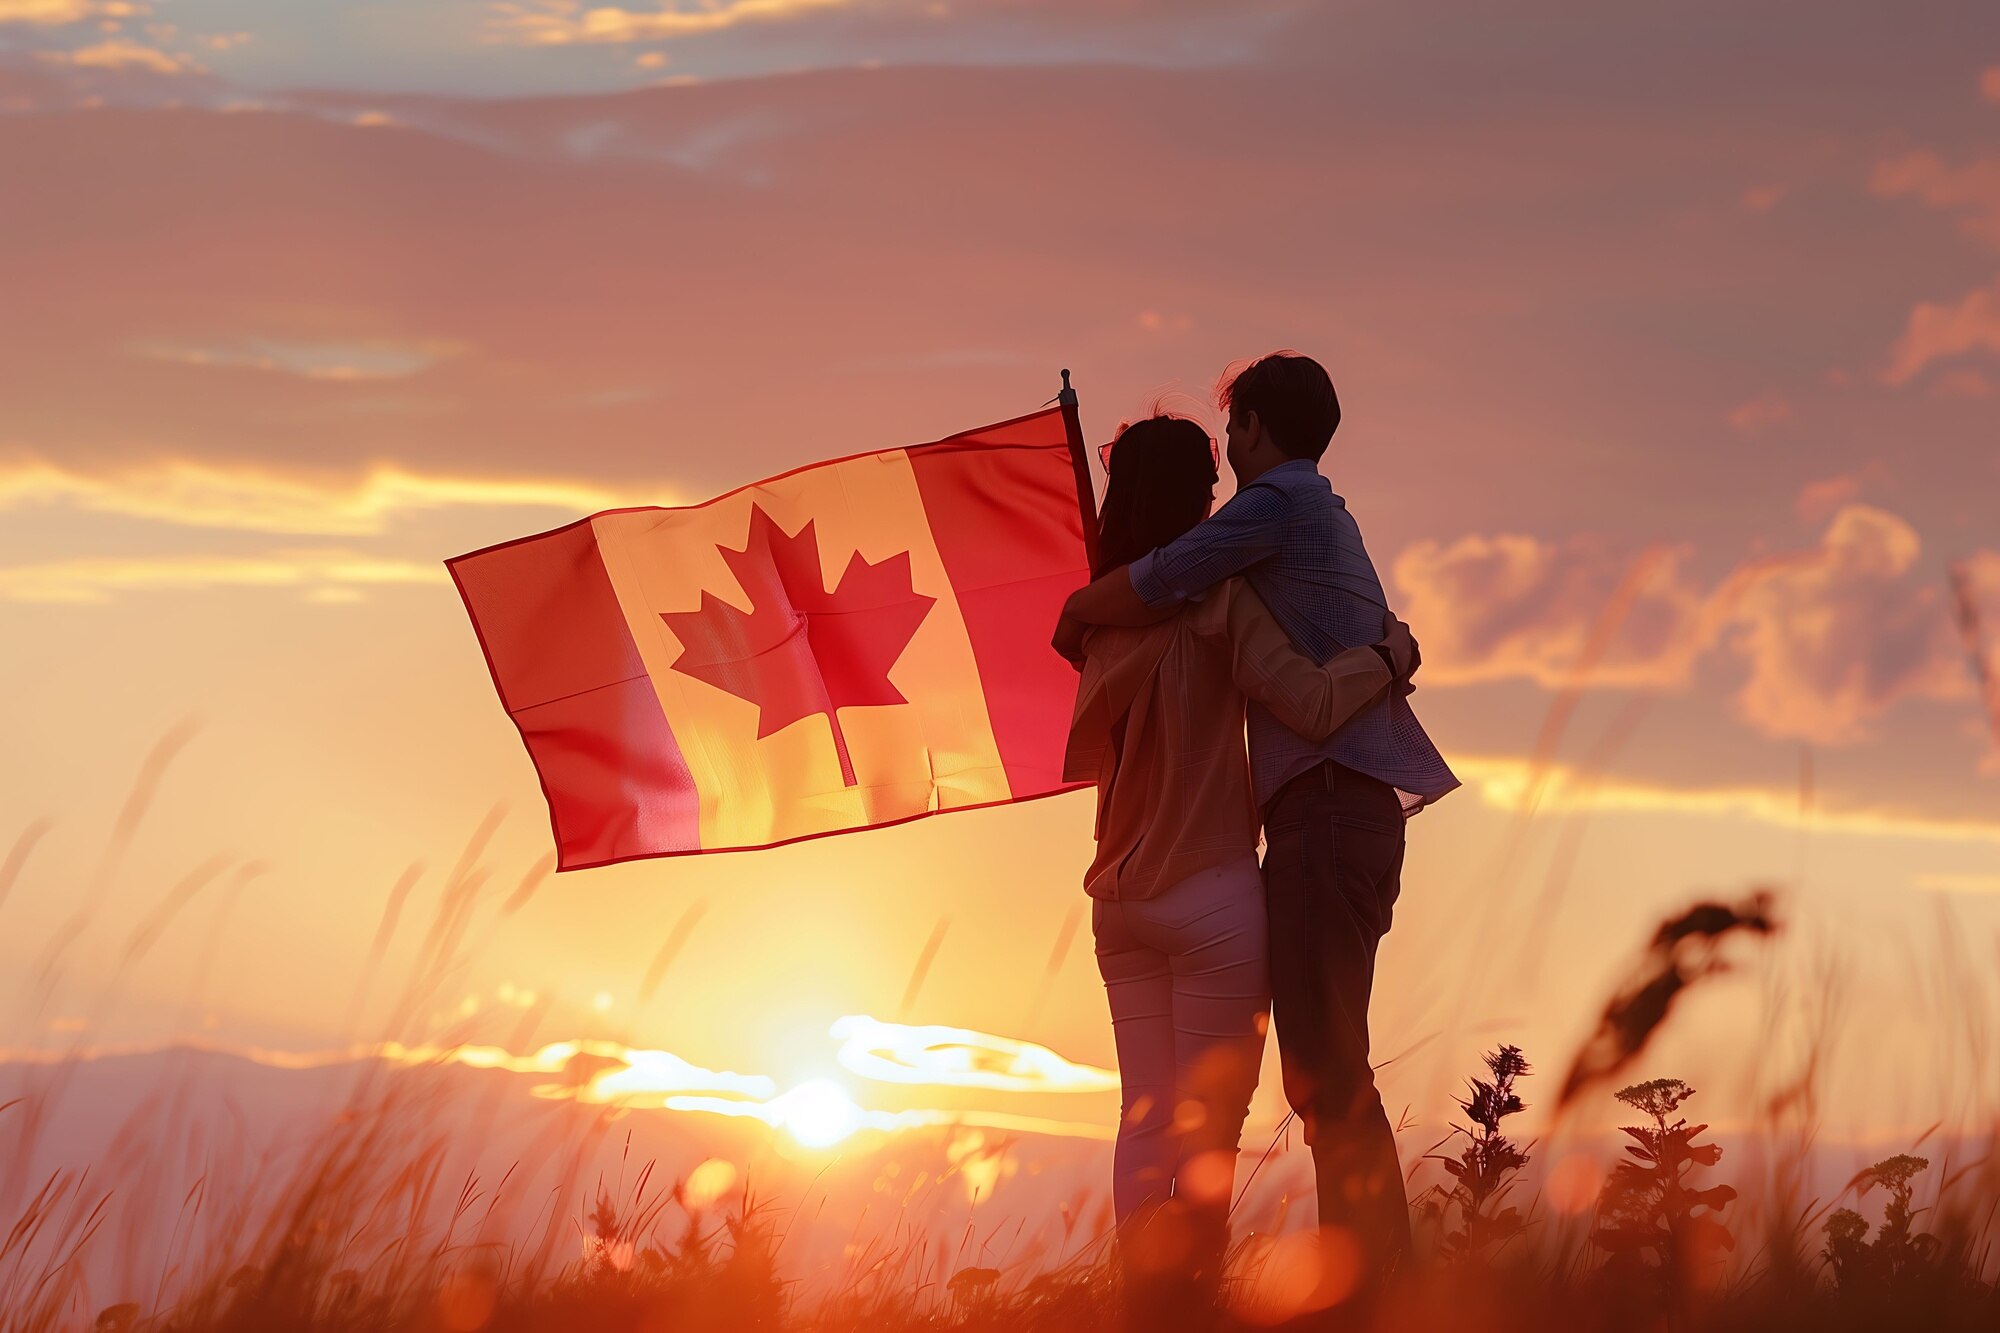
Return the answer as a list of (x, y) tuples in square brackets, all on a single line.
[(1012, 593), (571, 677), (852, 644)]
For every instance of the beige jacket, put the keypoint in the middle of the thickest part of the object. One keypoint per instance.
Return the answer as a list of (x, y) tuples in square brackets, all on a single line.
[(1159, 728)]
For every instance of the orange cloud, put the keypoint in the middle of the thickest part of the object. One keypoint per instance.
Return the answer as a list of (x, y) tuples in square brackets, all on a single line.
[(189, 493), (374, 360), (960, 1058), (1961, 384), (53, 13), (1949, 882), (1832, 637), (1763, 198), (1516, 606), (1818, 500), (1972, 190), (1939, 330), (117, 54), (1765, 410), (568, 22), (320, 575), (1836, 635), (1154, 321), (1989, 83), (1519, 785)]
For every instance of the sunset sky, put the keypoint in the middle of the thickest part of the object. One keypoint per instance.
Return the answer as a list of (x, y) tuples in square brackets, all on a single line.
[(1668, 338)]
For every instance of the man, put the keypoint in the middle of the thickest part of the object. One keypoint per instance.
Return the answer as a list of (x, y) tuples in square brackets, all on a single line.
[(1333, 811)]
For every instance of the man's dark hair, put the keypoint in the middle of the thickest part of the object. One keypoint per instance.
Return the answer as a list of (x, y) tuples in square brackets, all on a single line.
[(1293, 396)]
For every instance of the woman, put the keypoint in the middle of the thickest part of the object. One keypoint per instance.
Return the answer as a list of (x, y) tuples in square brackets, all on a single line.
[(1179, 901)]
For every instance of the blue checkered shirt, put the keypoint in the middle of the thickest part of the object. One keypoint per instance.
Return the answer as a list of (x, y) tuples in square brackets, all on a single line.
[(1292, 537)]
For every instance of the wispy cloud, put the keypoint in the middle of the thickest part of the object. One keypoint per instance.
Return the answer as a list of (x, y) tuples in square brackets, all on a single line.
[(370, 360), (319, 575), (54, 13), (1759, 414), (1821, 499), (191, 493), (1950, 882), (960, 1058), (1516, 784), (571, 22), (1938, 330), (1971, 191), (119, 54)]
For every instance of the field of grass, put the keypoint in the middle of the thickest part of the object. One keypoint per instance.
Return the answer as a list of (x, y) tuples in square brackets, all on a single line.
[(344, 1244), (372, 1221)]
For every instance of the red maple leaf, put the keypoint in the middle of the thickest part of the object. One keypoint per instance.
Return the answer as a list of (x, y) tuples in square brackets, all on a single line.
[(801, 651)]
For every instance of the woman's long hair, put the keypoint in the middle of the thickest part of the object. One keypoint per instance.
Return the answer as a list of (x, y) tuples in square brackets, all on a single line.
[(1162, 483)]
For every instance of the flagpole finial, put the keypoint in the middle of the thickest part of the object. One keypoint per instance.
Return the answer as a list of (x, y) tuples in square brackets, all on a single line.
[(1068, 395)]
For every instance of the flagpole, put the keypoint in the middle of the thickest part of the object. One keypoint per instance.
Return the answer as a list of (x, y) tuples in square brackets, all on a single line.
[(1079, 457)]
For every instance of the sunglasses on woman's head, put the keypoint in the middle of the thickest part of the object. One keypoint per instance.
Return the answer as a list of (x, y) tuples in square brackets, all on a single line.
[(1214, 454)]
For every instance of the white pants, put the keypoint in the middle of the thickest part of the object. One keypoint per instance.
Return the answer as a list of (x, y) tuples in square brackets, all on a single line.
[(1188, 977)]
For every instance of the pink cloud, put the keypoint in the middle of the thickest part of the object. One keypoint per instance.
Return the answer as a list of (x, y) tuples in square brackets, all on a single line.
[(569, 22), (1961, 384), (1766, 410), (1831, 637), (1989, 83), (1972, 191), (1155, 321), (119, 54), (1513, 606), (1763, 198), (1819, 500), (54, 13), (1937, 330), (1835, 636)]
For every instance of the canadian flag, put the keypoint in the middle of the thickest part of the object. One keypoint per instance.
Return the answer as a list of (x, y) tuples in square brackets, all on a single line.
[(853, 644)]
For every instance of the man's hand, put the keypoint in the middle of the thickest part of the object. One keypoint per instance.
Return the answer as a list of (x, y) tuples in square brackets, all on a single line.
[(1403, 651)]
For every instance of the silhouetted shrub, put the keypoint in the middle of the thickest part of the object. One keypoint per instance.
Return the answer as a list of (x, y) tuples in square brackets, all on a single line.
[(1898, 1255), (1484, 1170), (1654, 1221)]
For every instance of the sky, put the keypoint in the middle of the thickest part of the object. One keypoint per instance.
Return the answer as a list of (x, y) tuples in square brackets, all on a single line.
[(1668, 339)]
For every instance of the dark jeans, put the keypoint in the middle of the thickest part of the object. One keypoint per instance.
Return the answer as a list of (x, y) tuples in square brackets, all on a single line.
[(1333, 865)]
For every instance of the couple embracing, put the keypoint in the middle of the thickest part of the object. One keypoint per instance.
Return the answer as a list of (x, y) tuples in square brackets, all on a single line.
[(1269, 612)]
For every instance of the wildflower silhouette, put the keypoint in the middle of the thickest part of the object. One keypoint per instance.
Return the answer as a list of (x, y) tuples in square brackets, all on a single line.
[(1897, 1254), (1654, 1222), (1483, 1172)]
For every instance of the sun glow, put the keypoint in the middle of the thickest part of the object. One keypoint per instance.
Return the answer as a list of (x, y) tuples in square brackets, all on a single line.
[(818, 1113)]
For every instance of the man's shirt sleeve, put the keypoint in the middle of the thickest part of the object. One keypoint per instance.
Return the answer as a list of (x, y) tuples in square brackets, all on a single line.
[(1237, 536)]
